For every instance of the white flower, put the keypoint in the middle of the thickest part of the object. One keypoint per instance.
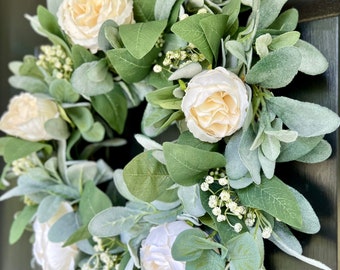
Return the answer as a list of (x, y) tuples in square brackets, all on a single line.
[(209, 179), (215, 104), (155, 252), (81, 19), (216, 211), (204, 186), (221, 218), (238, 227), (225, 195), (26, 117), (223, 181), (52, 256), (266, 232)]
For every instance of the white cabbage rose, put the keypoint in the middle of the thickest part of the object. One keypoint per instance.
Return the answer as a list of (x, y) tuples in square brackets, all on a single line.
[(52, 256), (155, 252), (81, 19), (215, 104), (26, 117)]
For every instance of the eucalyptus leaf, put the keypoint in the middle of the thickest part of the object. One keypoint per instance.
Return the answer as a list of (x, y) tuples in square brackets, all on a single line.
[(317, 120), (20, 222), (275, 198), (277, 69), (163, 9), (48, 21), (63, 228), (92, 201), (190, 30), (81, 117), (81, 55), (112, 106), (48, 207), (244, 253), (188, 165), (146, 178), (62, 91), (187, 138), (191, 200), (208, 260), (57, 128), (122, 187), (267, 165), (92, 78), (108, 36), (144, 10), (113, 221), (130, 68), (284, 40), (80, 234), (164, 98), (140, 38)]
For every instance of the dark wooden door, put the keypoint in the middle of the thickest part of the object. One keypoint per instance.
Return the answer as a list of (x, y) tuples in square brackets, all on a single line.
[(320, 25)]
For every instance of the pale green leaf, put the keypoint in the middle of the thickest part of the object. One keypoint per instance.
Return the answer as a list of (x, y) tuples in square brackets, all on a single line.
[(163, 9), (191, 200), (317, 120), (319, 153), (236, 48), (113, 221), (208, 260), (57, 128), (29, 84), (63, 228), (277, 69), (284, 40), (269, 11), (244, 253), (143, 10), (286, 21), (63, 91), (267, 165), (48, 207), (313, 62), (271, 147)]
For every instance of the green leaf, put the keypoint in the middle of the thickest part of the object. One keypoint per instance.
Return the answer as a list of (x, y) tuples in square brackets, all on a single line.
[(92, 78), (275, 198), (267, 165), (250, 157), (297, 149), (29, 84), (21, 221), (208, 260), (190, 30), (63, 91), (63, 228), (130, 68), (286, 21), (140, 38), (236, 48), (192, 203), (313, 62), (92, 201), (214, 30), (187, 138), (48, 207), (153, 120), (320, 153), (190, 244), (15, 148), (188, 165), (81, 55), (277, 69), (29, 68), (146, 178), (112, 106), (271, 147), (57, 128), (95, 134), (48, 21), (163, 9), (108, 36), (310, 221), (143, 10), (164, 98), (317, 120), (269, 11), (244, 253), (82, 117), (80, 234), (284, 40), (113, 221)]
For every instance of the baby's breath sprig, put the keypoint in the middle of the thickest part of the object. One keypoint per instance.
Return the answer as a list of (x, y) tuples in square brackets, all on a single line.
[(54, 60)]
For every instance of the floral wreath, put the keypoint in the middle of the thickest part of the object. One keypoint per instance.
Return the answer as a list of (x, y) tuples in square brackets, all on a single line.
[(200, 77)]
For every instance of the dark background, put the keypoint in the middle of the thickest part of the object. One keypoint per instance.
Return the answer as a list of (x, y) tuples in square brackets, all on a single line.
[(319, 183)]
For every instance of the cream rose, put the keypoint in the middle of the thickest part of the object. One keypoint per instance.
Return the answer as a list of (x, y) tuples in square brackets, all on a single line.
[(26, 117), (82, 19), (52, 256), (215, 104), (155, 252)]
